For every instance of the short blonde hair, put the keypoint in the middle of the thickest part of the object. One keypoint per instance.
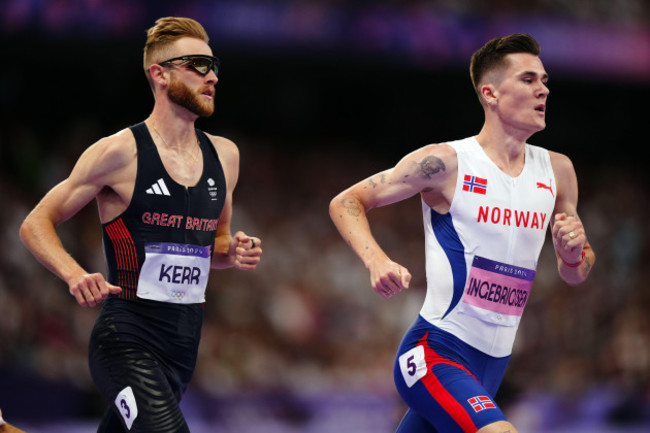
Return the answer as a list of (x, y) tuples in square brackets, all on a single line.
[(166, 31)]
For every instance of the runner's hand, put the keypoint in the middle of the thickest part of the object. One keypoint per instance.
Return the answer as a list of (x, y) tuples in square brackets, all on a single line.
[(389, 278), (247, 251), (91, 289), (568, 237)]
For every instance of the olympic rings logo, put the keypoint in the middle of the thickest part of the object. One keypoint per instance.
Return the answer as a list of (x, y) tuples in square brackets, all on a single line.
[(177, 295)]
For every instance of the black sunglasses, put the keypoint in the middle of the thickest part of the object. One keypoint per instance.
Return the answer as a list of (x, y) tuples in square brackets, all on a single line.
[(200, 63)]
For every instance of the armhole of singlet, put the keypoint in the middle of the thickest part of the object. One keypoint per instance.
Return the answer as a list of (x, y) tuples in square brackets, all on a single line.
[(206, 142), (457, 187), (138, 134)]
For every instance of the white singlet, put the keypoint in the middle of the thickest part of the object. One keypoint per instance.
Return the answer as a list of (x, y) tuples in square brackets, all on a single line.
[(481, 256)]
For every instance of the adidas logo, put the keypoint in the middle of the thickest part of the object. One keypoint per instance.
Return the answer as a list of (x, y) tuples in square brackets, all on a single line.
[(158, 188)]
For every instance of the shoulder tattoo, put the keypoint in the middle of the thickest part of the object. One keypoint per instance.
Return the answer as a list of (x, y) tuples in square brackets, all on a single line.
[(429, 166), (373, 183)]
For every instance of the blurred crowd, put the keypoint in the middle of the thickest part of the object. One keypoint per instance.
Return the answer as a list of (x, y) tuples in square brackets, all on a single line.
[(55, 13), (307, 322), (617, 12)]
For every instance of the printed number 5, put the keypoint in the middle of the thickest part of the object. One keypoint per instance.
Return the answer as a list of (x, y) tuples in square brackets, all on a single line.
[(413, 365)]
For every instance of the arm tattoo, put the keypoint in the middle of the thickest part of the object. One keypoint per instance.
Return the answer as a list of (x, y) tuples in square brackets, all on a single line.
[(430, 166), (352, 207), (382, 180)]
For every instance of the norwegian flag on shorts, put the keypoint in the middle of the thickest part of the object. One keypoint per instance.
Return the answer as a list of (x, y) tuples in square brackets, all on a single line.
[(474, 184), (481, 402)]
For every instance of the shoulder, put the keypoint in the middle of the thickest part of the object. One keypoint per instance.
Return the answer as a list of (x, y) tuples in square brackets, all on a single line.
[(228, 153), (565, 177), (559, 159), (432, 159), (117, 148), (226, 148), (430, 170), (441, 150), (562, 165), (108, 155)]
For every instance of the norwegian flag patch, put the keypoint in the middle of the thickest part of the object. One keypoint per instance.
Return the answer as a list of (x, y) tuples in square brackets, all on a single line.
[(474, 184), (481, 402)]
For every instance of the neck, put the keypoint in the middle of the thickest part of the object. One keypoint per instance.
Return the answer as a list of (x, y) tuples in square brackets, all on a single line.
[(176, 131), (176, 135), (506, 150)]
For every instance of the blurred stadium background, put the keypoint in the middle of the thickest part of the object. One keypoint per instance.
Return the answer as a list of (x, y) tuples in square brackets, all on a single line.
[(319, 94)]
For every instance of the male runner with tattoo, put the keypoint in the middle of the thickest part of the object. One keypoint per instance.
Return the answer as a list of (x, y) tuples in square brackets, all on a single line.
[(164, 192), (487, 201)]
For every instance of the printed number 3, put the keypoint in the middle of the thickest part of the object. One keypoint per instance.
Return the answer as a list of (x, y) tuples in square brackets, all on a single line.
[(413, 365), (125, 403), (126, 408)]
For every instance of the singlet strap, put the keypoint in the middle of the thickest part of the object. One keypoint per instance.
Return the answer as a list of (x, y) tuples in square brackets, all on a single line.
[(143, 138)]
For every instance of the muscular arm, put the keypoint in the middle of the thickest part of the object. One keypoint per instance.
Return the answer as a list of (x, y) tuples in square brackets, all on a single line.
[(423, 171), (95, 169), (229, 250), (569, 237)]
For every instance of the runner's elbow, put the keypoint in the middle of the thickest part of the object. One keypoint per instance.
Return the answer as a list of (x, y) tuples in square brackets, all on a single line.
[(26, 229)]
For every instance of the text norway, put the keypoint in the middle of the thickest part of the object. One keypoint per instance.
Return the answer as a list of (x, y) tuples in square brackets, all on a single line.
[(179, 274), (497, 293), (505, 216)]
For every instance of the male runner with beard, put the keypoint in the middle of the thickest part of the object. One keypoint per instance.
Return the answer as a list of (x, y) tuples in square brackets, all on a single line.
[(164, 192)]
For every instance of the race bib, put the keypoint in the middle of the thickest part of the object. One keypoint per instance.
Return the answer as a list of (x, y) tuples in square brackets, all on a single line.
[(174, 273), (125, 403), (413, 365), (497, 292)]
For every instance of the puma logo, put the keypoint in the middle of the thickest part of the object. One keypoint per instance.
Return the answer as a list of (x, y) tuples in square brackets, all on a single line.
[(548, 187)]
